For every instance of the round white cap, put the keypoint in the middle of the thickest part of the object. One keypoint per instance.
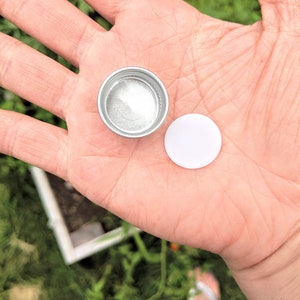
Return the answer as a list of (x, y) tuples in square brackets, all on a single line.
[(193, 141)]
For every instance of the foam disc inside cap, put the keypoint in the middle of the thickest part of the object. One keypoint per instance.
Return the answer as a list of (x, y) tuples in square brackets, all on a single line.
[(133, 102), (193, 141)]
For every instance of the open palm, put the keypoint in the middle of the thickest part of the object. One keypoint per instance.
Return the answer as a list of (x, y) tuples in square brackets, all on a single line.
[(245, 206)]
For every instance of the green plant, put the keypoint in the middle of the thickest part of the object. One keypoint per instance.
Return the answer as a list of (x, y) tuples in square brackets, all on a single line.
[(239, 11), (138, 268)]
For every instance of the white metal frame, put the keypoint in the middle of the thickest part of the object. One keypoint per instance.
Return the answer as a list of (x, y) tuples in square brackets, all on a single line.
[(56, 221)]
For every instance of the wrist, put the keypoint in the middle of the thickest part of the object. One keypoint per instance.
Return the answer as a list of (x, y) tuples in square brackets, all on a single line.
[(276, 277)]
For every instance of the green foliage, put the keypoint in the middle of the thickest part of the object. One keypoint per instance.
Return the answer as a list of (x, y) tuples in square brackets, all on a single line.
[(12, 102), (83, 6), (143, 267), (239, 11)]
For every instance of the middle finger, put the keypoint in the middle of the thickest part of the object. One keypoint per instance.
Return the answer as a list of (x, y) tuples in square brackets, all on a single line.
[(34, 76)]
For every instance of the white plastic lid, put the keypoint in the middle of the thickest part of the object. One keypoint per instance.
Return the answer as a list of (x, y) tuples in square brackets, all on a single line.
[(193, 141)]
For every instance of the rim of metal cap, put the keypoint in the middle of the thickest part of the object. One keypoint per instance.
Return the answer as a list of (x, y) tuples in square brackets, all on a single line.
[(151, 82)]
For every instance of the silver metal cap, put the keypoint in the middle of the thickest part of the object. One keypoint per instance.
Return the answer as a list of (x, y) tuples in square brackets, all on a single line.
[(133, 102)]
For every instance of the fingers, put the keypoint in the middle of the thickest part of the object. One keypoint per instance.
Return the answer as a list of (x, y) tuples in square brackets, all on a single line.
[(57, 24), (33, 76), (109, 9), (34, 142), (281, 16)]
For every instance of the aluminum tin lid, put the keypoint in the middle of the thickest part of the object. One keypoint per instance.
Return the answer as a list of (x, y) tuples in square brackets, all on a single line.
[(133, 102)]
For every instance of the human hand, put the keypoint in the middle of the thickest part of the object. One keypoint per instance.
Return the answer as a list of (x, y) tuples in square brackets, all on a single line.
[(245, 206)]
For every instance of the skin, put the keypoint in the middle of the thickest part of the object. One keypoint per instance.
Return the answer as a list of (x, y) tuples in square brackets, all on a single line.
[(209, 280), (245, 206)]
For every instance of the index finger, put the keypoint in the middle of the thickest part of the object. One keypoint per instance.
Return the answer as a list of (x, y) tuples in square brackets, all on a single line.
[(57, 24), (109, 9)]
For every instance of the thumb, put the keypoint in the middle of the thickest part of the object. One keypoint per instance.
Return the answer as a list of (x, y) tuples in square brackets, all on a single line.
[(281, 16)]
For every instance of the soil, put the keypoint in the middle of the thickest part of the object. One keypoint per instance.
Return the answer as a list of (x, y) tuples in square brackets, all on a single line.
[(78, 210)]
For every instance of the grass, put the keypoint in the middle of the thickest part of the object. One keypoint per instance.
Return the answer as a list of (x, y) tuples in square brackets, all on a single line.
[(143, 267)]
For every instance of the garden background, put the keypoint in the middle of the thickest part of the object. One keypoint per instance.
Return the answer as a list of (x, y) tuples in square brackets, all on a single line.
[(143, 267)]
